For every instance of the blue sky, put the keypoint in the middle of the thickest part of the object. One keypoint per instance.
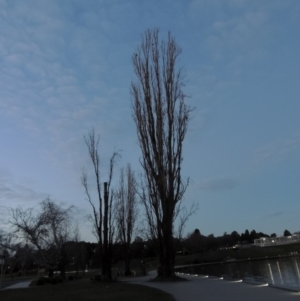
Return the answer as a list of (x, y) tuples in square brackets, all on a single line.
[(66, 67)]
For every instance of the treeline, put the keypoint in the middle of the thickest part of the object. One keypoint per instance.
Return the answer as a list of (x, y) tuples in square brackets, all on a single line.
[(75, 256), (81, 256), (197, 243)]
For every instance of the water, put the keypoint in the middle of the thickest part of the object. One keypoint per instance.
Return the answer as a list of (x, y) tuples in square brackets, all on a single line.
[(278, 271)]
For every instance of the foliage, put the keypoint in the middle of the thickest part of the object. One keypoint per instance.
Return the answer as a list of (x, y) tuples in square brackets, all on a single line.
[(44, 280), (41, 281)]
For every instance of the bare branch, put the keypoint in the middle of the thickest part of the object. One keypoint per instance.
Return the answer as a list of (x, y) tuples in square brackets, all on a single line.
[(102, 217), (95, 218), (161, 116), (46, 230), (183, 218), (126, 211)]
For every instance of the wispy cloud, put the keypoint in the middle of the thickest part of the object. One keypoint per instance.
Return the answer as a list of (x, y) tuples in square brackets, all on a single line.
[(218, 185), (271, 215), (12, 193), (276, 151), (57, 73), (239, 37), (65, 67)]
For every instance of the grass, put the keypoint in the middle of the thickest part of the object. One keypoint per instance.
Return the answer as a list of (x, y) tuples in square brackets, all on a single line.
[(85, 290)]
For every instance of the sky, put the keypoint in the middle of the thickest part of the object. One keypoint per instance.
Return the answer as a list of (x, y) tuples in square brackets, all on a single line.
[(65, 67)]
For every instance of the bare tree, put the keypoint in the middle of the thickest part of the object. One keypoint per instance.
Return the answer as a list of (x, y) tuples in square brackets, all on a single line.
[(161, 116), (6, 241), (7, 248), (102, 216), (77, 251), (126, 212), (46, 231)]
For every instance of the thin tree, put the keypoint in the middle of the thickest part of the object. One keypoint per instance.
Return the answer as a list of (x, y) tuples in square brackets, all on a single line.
[(161, 116), (126, 212), (77, 251), (102, 216)]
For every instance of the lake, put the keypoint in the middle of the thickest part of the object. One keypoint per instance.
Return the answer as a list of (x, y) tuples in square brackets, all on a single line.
[(277, 270)]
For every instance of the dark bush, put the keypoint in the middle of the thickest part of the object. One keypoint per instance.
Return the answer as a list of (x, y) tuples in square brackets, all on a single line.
[(98, 278), (59, 279), (70, 278), (40, 281), (54, 281)]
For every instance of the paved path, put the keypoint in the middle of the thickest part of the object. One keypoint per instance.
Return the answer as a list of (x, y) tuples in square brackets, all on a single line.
[(207, 289), (215, 289), (22, 284)]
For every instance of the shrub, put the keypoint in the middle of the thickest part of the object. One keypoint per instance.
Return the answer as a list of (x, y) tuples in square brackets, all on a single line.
[(40, 281), (70, 278), (59, 279), (98, 278), (54, 281)]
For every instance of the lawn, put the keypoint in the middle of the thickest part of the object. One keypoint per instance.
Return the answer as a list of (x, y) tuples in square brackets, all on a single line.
[(85, 290)]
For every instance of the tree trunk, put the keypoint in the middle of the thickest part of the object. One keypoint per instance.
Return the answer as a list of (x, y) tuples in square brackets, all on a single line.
[(63, 263), (127, 271), (50, 273), (167, 255), (106, 258), (63, 272)]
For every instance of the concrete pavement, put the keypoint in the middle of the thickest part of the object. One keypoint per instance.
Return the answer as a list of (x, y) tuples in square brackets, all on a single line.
[(204, 288), (22, 284), (216, 289)]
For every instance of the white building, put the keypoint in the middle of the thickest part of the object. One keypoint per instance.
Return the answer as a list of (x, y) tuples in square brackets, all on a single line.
[(273, 241)]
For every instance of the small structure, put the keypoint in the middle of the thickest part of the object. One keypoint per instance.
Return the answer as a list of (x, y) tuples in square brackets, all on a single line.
[(274, 241)]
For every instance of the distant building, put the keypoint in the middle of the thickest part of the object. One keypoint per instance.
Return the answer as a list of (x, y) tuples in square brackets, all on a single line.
[(274, 241)]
